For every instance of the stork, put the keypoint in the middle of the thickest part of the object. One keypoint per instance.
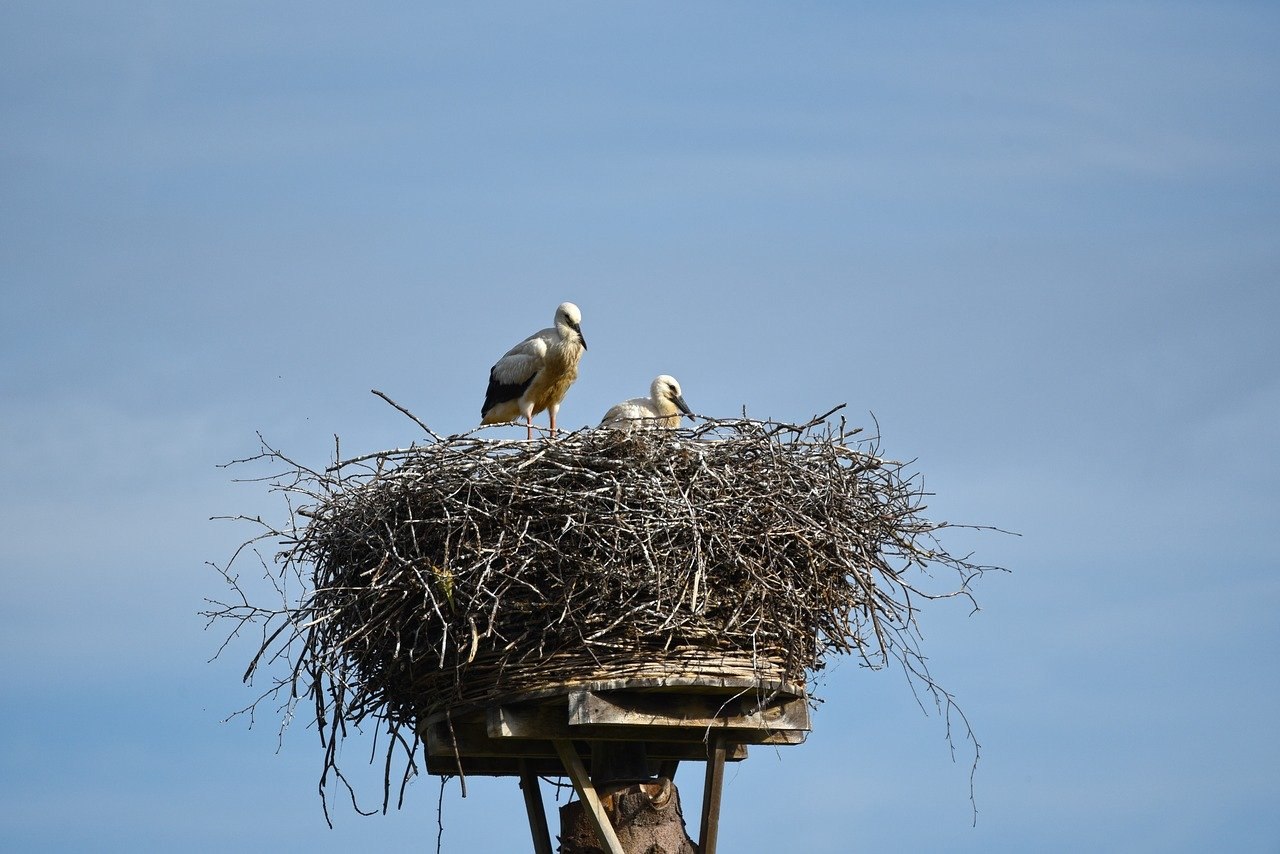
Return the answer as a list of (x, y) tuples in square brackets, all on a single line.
[(535, 374)]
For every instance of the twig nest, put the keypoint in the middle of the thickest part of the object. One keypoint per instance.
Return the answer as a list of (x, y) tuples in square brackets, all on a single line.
[(468, 569)]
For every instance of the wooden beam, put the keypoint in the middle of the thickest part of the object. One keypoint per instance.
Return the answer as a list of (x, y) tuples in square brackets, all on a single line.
[(712, 790), (492, 766), (549, 722), (543, 766), (470, 740), (687, 711), (595, 810), (619, 763), (537, 813), (527, 721)]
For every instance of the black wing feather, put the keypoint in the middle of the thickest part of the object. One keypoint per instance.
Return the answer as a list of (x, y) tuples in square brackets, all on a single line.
[(500, 392)]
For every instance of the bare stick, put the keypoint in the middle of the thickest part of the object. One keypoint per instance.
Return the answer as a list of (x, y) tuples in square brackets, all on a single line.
[(412, 417)]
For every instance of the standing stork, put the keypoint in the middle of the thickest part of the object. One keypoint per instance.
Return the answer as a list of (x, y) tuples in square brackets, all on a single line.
[(535, 374), (661, 409)]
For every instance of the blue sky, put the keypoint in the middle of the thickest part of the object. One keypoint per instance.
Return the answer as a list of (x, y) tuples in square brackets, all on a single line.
[(1038, 241)]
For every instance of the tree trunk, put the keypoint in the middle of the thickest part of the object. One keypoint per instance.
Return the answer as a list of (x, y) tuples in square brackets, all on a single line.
[(646, 816)]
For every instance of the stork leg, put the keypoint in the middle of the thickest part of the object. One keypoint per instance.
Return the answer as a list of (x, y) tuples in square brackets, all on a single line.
[(553, 409), (527, 411)]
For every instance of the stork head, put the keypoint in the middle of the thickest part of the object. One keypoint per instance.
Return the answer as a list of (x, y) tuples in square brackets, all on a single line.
[(569, 321), (666, 387)]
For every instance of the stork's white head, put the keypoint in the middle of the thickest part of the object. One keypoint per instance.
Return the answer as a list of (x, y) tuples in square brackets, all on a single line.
[(666, 387), (569, 321)]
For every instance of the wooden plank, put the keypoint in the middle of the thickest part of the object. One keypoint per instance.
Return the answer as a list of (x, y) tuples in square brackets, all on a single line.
[(691, 711), (707, 685), (548, 722), (446, 765), (493, 766), (533, 805), (712, 789), (696, 736), (582, 783), (471, 740), (528, 721)]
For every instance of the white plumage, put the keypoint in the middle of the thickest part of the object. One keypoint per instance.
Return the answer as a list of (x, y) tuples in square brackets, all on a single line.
[(535, 374), (661, 409)]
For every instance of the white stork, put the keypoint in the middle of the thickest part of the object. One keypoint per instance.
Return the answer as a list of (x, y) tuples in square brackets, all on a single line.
[(661, 409), (535, 374)]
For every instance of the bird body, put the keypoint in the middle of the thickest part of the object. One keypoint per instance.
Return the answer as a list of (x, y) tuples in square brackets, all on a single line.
[(534, 375), (662, 409)]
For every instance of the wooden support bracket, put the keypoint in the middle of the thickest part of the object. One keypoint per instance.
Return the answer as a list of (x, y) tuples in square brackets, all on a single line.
[(595, 810)]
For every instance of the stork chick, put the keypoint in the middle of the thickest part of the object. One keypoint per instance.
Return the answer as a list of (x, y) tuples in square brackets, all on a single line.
[(662, 409)]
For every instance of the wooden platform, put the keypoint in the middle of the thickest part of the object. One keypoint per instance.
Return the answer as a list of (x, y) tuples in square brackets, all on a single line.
[(605, 732), (673, 718)]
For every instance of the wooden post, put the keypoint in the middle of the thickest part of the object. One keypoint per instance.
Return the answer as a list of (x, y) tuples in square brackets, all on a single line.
[(537, 813), (711, 796)]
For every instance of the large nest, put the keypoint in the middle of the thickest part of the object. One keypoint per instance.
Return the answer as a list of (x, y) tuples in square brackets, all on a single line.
[(467, 569)]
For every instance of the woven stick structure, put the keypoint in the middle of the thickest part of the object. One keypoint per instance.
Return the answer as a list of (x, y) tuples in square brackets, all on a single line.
[(467, 569)]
